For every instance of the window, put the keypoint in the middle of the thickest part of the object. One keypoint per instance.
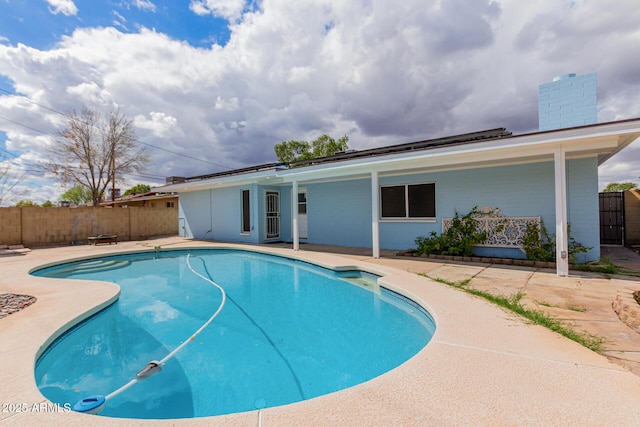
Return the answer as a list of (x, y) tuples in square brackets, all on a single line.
[(246, 212), (408, 201), (302, 203), (169, 204)]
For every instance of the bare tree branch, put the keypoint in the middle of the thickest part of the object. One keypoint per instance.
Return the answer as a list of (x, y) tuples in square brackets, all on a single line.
[(8, 183), (96, 151)]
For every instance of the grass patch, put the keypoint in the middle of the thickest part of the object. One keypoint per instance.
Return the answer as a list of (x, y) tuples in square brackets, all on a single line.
[(574, 308), (603, 266), (513, 304)]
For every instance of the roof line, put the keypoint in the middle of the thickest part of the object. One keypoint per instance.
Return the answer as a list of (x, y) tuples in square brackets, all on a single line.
[(410, 146), (461, 139)]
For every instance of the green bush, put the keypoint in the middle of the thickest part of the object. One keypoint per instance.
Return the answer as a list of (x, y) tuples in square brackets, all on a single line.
[(457, 240), (539, 245)]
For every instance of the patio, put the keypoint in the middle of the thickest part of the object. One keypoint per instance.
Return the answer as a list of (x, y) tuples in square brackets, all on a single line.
[(484, 366)]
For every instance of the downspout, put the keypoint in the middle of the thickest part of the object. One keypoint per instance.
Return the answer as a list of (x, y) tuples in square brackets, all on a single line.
[(562, 250)]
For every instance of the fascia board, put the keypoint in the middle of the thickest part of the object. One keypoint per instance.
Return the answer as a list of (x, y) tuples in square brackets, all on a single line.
[(220, 182)]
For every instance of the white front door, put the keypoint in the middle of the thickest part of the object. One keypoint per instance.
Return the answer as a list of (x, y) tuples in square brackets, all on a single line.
[(272, 213), (302, 214)]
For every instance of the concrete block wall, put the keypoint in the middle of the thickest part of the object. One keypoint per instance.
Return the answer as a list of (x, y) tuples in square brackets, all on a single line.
[(567, 101), (34, 226), (10, 226)]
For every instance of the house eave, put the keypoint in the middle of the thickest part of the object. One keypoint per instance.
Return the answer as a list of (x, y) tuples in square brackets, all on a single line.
[(264, 177), (607, 140)]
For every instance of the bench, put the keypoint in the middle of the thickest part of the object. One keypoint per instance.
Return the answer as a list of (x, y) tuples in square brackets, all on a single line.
[(103, 238), (502, 232)]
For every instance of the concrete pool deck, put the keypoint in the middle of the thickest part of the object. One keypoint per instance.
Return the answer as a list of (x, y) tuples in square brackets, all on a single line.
[(484, 366)]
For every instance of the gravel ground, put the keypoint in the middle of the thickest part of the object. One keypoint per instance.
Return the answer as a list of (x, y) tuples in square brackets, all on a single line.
[(12, 303)]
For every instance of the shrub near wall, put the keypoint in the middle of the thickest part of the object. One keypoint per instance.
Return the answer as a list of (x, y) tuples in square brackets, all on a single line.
[(32, 226)]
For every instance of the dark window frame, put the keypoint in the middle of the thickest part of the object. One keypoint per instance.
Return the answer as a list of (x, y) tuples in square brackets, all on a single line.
[(403, 202), (245, 223)]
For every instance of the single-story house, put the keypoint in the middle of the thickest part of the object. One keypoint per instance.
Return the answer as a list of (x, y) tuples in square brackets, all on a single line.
[(383, 198), (150, 199)]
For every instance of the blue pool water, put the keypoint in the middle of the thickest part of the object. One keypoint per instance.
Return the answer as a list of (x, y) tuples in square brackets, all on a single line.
[(289, 331)]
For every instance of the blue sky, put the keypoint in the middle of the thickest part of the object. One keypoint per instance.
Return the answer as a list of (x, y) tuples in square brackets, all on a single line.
[(215, 84), (32, 22)]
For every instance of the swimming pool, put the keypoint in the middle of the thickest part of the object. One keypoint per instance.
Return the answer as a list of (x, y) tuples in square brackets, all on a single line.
[(289, 331)]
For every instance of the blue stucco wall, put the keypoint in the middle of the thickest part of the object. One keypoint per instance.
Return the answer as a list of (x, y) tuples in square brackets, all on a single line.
[(583, 209), (339, 213), (522, 190), (216, 214), (194, 211)]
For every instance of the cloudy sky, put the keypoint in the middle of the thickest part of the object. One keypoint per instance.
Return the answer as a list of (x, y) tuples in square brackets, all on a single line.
[(213, 84)]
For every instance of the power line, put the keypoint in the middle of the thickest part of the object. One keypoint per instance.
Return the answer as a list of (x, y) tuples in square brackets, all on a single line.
[(23, 125), (184, 155), (66, 115), (32, 101), (21, 158)]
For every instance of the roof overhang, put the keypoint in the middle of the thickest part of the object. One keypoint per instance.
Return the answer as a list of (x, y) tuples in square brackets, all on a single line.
[(263, 177), (600, 140)]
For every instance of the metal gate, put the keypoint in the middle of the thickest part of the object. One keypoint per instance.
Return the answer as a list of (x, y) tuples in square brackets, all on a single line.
[(272, 211), (612, 218)]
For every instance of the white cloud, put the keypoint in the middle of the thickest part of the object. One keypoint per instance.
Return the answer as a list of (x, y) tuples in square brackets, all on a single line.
[(66, 7), (160, 124), (145, 5), (227, 9), (381, 72), (90, 93), (120, 21)]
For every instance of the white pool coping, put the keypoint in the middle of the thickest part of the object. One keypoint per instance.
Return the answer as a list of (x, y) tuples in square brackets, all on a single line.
[(484, 366)]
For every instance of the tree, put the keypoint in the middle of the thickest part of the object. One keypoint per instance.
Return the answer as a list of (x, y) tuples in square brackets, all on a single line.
[(8, 184), (293, 151), (77, 195), (617, 186), (26, 203), (138, 189), (96, 151), (48, 204)]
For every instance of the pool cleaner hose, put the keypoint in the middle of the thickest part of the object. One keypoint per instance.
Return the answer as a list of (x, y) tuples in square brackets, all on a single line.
[(95, 404)]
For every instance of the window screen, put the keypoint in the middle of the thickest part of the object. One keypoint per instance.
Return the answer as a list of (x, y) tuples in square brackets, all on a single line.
[(408, 201), (393, 202), (422, 201)]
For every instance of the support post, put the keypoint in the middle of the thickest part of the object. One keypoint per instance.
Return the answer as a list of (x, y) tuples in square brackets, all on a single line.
[(375, 224), (562, 249), (294, 216)]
